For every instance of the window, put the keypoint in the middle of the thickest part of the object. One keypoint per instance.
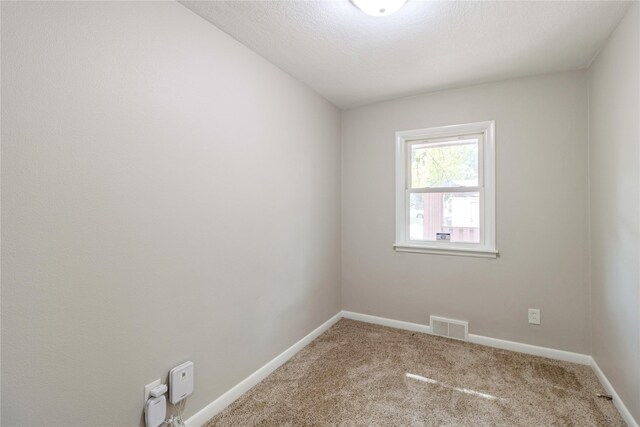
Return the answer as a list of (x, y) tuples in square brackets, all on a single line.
[(445, 190)]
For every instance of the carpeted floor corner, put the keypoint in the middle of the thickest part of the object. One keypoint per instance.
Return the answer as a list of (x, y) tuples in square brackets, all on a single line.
[(358, 374)]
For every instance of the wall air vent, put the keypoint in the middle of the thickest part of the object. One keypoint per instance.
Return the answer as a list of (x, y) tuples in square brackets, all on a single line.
[(450, 328)]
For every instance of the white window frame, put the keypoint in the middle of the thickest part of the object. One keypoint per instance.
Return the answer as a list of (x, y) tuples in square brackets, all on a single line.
[(486, 248)]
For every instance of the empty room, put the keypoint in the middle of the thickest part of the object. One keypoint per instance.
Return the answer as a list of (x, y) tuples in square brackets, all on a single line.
[(320, 213)]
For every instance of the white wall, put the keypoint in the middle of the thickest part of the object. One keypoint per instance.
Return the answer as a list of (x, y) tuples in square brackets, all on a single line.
[(614, 172), (541, 140), (167, 195)]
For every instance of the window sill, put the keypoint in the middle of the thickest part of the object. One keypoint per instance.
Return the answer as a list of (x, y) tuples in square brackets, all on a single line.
[(421, 249)]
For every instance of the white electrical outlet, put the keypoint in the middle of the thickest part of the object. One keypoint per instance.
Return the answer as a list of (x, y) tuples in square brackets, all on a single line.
[(534, 316), (149, 387)]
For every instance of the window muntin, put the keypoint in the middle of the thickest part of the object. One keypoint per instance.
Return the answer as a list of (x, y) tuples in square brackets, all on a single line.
[(446, 184)]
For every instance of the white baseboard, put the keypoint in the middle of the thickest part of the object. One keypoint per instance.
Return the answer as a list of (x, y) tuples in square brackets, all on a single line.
[(624, 412), (227, 398), (535, 350), (551, 353), (209, 411), (399, 324)]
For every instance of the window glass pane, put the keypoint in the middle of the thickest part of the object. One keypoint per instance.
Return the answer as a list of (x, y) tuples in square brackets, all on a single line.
[(445, 164), (455, 214)]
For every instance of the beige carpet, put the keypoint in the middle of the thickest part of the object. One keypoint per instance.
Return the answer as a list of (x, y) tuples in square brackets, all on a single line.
[(362, 374)]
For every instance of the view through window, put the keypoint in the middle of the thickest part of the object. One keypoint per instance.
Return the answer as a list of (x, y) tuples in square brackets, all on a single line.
[(439, 170)]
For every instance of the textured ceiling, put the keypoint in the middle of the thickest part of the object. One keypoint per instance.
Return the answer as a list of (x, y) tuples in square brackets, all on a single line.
[(354, 59)]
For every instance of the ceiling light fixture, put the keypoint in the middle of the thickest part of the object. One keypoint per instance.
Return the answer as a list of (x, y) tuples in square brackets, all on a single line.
[(379, 7)]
